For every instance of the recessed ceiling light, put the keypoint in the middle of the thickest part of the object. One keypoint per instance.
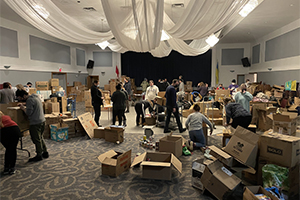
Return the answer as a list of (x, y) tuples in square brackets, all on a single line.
[(249, 33), (292, 5)]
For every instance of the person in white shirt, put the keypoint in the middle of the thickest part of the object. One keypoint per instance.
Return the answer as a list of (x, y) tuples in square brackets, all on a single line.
[(180, 93), (152, 91)]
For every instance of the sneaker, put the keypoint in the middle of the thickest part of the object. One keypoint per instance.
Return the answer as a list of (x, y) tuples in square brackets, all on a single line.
[(167, 131), (12, 171), (182, 130), (45, 155), (35, 159), (6, 171)]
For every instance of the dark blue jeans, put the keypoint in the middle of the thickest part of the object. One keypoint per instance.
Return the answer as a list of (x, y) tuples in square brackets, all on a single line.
[(198, 138)]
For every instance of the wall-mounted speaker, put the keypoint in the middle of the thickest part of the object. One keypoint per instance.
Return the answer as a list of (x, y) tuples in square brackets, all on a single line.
[(245, 62), (90, 64)]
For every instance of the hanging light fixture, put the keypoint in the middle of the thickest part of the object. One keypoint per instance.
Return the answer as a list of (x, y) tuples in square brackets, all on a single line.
[(103, 45), (248, 8), (212, 40), (164, 36)]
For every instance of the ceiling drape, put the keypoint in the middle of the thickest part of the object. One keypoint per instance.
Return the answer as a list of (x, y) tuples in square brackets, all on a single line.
[(141, 27)]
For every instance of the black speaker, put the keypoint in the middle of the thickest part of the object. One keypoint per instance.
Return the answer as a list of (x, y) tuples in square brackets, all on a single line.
[(90, 64), (246, 62)]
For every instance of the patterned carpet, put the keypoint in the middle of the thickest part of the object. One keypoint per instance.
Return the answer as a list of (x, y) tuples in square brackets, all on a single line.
[(73, 172)]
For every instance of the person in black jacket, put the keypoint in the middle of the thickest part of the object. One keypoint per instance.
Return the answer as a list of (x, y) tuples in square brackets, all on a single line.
[(172, 107), (118, 98), (140, 108), (97, 100), (127, 87)]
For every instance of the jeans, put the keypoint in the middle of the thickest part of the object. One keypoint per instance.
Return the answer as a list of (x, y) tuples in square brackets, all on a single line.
[(198, 138), (36, 133), (97, 113), (176, 114), (119, 113), (9, 137)]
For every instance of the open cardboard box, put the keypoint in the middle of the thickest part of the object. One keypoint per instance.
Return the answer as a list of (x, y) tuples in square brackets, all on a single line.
[(172, 144), (157, 165), (285, 123), (243, 146), (115, 163), (114, 134), (250, 191), (218, 180)]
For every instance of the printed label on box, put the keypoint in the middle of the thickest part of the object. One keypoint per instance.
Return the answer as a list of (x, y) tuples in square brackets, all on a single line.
[(199, 167), (274, 150), (226, 171)]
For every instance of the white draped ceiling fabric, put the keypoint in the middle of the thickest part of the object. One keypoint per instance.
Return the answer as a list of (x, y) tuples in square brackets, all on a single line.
[(141, 29)]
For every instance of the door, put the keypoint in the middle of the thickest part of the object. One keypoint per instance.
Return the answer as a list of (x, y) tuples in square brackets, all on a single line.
[(62, 77), (90, 80), (240, 79)]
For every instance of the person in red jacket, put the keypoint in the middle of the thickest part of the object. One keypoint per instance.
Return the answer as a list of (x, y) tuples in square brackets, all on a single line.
[(9, 137)]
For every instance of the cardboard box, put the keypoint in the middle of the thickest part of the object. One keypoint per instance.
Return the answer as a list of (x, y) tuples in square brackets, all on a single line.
[(53, 99), (221, 94), (114, 134), (278, 93), (88, 123), (243, 146), (250, 191), (157, 165), (76, 83), (198, 168), (171, 144), (18, 116), (32, 91), (99, 132), (277, 147), (59, 132), (161, 101), (64, 104), (107, 87), (186, 113), (42, 85), (218, 180), (53, 107), (285, 123), (213, 112), (55, 89), (150, 120), (189, 83), (115, 163), (161, 94), (54, 82), (45, 93)]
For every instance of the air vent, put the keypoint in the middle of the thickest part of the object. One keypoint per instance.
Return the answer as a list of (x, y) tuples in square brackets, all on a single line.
[(89, 9)]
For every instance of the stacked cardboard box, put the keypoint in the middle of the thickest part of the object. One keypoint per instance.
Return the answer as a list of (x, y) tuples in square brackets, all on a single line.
[(54, 84), (75, 128), (87, 99), (78, 90), (278, 91), (53, 118), (221, 94), (42, 85), (32, 91)]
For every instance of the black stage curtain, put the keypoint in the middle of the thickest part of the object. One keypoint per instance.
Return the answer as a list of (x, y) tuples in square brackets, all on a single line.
[(144, 65)]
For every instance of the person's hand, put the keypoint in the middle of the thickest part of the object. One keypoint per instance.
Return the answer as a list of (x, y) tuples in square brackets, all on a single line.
[(174, 110), (211, 131), (102, 97)]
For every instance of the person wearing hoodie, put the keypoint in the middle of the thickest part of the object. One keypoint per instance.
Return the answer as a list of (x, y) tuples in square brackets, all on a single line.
[(243, 97), (34, 111)]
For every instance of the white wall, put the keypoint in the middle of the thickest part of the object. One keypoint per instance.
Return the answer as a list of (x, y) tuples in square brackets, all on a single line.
[(290, 63), (225, 76), (24, 63)]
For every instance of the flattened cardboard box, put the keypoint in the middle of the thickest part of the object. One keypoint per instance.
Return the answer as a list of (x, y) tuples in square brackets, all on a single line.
[(243, 146), (88, 123), (115, 163), (171, 144), (277, 147), (159, 165), (250, 191), (218, 180)]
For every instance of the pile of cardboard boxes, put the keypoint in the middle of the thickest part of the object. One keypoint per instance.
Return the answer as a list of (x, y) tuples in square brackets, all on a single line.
[(54, 84), (78, 91)]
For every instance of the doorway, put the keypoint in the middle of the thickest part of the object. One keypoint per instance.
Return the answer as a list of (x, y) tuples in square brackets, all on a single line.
[(90, 80), (62, 77)]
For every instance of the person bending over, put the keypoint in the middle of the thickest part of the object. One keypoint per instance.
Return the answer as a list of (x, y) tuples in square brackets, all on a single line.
[(240, 116), (9, 137), (194, 125), (140, 108)]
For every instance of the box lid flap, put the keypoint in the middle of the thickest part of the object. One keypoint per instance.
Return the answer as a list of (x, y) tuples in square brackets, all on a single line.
[(227, 178), (108, 154), (109, 161), (214, 166), (220, 152), (138, 159), (285, 116), (176, 163), (158, 164), (246, 135), (279, 136)]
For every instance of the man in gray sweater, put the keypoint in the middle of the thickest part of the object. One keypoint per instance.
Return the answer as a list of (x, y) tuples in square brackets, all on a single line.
[(7, 94), (34, 111)]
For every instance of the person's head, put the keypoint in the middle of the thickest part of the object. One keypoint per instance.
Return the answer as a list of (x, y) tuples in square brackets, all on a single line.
[(145, 79), (159, 80), (29, 84), (233, 81), (242, 87), (127, 79), (201, 84), (180, 77), (151, 83), (221, 85), (226, 101), (247, 80), (180, 80), (206, 84), (6, 85), (175, 82), (166, 80), (118, 87), (196, 108), (21, 95), (96, 82)]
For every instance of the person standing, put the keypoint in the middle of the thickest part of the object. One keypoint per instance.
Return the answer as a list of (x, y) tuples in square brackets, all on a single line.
[(97, 101), (194, 125), (6, 94), (34, 111), (166, 83), (127, 87), (9, 137), (144, 84), (126, 99), (152, 91), (140, 108), (172, 107), (233, 86), (240, 116), (118, 98), (243, 97), (180, 93)]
